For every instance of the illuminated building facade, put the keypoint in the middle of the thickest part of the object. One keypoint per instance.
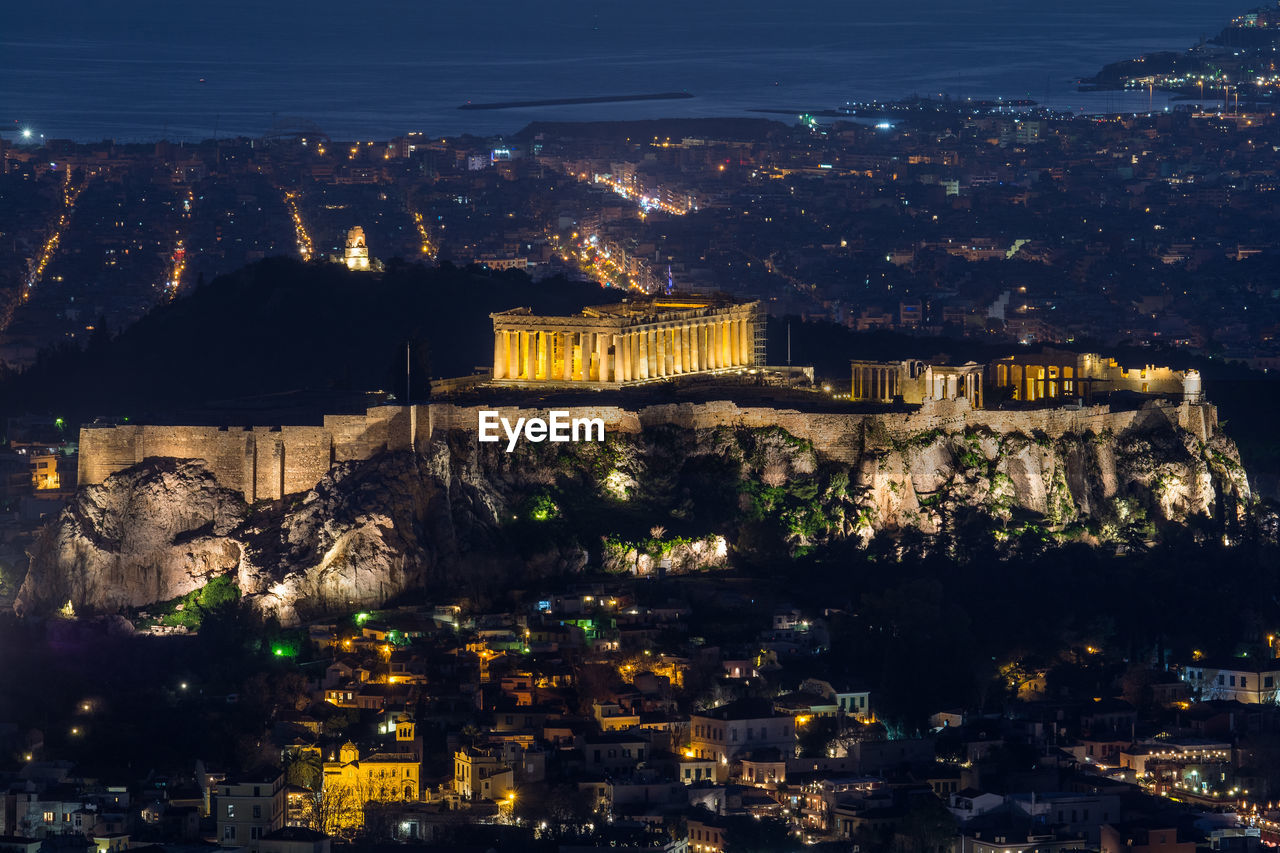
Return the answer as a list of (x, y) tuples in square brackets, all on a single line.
[(44, 472), (1047, 375), (350, 782), (356, 255), (481, 774), (1057, 374), (640, 340), (727, 733)]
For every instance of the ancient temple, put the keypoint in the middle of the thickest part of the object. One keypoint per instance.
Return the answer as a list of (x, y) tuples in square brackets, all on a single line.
[(914, 382), (637, 340), (1049, 375)]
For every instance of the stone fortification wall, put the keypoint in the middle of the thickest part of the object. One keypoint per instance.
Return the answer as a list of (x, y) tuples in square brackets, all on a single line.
[(845, 435), (271, 462), (262, 463)]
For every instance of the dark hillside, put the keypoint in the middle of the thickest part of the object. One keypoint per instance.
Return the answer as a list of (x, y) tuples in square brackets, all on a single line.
[(281, 326)]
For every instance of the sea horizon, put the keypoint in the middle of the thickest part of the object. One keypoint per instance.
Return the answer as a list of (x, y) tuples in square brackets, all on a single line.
[(395, 68)]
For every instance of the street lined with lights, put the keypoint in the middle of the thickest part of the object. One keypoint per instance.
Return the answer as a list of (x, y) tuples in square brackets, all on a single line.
[(305, 247), (70, 192)]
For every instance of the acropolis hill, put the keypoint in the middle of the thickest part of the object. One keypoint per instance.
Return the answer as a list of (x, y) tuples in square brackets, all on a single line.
[(359, 508), (406, 496)]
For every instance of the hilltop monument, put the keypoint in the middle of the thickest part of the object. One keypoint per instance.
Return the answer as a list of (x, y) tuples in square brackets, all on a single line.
[(356, 256)]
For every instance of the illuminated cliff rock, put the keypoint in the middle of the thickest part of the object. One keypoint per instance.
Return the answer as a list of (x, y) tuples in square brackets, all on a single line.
[(157, 531), (458, 515)]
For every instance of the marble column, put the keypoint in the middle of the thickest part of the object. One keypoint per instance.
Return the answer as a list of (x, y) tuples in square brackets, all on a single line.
[(499, 355), (544, 356), (584, 356)]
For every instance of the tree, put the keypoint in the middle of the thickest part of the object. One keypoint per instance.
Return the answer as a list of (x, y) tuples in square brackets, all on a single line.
[(305, 769), (926, 827), (758, 835), (1137, 685)]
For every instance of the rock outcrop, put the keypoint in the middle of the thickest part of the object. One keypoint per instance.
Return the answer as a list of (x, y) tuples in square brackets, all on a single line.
[(665, 498), (154, 532)]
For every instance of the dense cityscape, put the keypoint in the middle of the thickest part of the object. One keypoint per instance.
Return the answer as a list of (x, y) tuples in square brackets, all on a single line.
[(898, 476)]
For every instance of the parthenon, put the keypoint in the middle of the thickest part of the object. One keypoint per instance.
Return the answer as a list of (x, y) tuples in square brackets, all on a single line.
[(639, 340)]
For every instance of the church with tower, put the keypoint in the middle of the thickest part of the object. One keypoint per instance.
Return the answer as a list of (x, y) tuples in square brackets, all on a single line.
[(384, 776)]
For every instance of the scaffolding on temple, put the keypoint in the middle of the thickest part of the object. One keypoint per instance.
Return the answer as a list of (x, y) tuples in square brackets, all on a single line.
[(760, 321)]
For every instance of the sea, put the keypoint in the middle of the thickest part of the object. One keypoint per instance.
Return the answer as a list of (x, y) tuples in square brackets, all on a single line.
[(141, 70)]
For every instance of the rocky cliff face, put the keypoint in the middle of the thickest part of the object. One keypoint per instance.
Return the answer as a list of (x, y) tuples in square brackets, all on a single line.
[(154, 532), (664, 499)]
